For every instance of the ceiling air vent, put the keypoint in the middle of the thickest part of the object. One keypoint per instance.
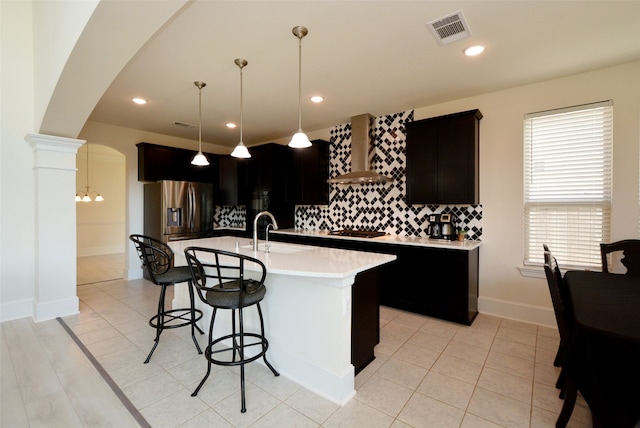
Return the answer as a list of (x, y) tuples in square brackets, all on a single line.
[(450, 28), (184, 125)]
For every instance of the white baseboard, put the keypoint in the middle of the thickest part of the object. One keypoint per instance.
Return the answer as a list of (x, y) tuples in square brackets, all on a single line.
[(98, 251), (43, 311), (517, 311), (16, 309)]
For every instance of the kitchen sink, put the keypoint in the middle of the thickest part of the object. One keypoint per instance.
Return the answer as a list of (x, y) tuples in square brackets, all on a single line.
[(278, 248)]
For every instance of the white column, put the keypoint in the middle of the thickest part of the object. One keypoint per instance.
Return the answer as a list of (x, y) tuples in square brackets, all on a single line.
[(55, 225)]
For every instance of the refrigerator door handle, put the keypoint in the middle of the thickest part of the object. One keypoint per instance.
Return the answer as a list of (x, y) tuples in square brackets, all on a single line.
[(192, 207)]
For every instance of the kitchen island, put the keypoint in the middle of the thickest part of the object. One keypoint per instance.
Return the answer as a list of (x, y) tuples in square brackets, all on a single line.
[(430, 277), (307, 309)]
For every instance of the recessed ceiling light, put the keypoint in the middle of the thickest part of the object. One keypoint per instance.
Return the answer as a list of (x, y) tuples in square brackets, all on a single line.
[(139, 100), (316, 99), (231, 125), (474, 50)]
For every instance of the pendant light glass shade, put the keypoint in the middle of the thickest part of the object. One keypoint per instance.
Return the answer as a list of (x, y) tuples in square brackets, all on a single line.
[(200, 159), (87, 193), (241, 150), (299, 139)]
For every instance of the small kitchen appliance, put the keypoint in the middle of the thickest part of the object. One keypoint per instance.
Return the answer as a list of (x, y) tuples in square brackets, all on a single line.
[(441, 226)]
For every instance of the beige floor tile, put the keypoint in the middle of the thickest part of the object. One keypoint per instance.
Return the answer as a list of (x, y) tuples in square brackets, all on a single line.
[(500, 409), (516, 387), (258, 403), (510, 364), (425, 412), (209, 419), (357, 414), (402, 373), (471, 353), (284, 415), (384, 395), (416, 355), (311, 405), (446, 389), (457, 368), (515, 349), (473, 338), (173, 410), (430, 341)]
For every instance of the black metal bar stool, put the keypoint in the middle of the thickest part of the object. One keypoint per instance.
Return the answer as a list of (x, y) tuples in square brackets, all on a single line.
[(229, 289), (157, 259)]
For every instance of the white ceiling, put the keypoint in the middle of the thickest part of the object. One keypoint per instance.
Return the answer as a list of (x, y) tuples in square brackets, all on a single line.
[(374, 57)]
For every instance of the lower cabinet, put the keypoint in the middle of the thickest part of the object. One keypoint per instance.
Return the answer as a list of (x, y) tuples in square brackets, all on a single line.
[(438, 282)]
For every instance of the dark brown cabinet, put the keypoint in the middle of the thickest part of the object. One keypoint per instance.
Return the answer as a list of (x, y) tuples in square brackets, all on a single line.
[(156, 162), (309, 174), (442, 159), (437, 282), (265, 186)]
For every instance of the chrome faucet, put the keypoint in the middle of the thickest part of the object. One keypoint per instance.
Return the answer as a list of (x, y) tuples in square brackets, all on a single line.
[(255, 227), (266, 235)]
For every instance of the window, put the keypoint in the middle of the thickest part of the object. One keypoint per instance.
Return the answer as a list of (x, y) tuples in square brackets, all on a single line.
[(567, 183)]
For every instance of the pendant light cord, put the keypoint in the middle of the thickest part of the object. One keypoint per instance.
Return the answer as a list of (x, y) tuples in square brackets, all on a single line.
[(241, 104), (300, 83), (87, 167), (200, 119)]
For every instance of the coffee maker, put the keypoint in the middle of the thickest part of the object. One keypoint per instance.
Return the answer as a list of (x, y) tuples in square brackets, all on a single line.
[(441, 226)]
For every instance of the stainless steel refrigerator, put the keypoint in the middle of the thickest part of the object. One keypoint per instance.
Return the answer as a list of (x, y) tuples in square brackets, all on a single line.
[(178, 210)]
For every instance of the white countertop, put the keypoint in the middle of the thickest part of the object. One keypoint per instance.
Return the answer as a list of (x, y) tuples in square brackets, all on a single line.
[(465, 245), (294, 259)]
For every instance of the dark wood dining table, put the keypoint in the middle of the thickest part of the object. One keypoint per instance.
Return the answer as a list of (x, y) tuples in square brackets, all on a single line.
[(603, 354)]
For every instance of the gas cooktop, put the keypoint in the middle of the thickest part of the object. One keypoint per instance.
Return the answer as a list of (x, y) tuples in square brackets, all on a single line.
[(357, 233)]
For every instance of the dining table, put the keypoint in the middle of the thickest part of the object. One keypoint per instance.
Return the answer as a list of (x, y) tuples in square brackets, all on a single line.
[(602, 357)]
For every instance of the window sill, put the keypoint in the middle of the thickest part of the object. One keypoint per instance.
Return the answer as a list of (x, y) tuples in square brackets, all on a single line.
[(532, 271)]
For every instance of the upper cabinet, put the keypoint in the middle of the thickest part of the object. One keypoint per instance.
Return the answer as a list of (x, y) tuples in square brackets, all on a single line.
[(157, 162), (309, 172), (442, 159)]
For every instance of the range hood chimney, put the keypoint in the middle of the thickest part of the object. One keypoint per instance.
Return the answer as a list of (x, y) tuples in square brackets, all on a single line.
[(362, 153)]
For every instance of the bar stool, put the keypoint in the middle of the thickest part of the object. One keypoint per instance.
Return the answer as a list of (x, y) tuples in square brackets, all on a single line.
[(219, 278), (157, 259)]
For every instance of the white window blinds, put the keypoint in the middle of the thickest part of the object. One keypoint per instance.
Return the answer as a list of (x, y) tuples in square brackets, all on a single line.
[(567, 183)]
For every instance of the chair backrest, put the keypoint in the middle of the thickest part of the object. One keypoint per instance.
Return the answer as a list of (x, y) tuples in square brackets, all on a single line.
[(156, 256), (559, 295), (220, 271), (631, 255)]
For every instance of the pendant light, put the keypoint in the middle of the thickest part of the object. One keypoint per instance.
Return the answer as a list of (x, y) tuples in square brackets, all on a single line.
[(299, 139), (200, 159), (241, 150), (86, 197)]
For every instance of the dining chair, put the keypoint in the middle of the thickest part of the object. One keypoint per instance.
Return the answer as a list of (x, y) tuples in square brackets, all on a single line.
[(564, 317), (157, 259), (219, 277), (631, 255)]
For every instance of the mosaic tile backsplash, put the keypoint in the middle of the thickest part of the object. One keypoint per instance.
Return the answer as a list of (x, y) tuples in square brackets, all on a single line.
[(370, 206)]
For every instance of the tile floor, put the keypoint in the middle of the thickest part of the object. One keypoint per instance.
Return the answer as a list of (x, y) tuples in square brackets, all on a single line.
[(428, 373)]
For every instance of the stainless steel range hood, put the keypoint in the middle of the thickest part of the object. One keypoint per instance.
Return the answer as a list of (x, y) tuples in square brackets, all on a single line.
[(362, 153)]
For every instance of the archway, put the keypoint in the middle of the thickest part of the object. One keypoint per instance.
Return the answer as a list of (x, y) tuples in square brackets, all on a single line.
[(100, 226)]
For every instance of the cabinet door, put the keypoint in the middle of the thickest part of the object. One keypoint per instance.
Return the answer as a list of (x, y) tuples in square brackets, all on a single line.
[(422, 162), (309, 174), (442, 159), (456, 160), (157, 162)]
